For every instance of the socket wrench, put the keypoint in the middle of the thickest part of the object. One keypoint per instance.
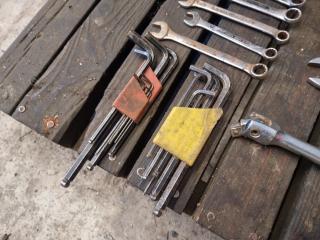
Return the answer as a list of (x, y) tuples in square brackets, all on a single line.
[(266, 132), (290, 15), (269, 54), (281, 36), (258, 70)]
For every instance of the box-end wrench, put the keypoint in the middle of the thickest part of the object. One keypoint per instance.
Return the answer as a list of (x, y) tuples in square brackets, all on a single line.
[(269, 54), (292, 3), (280, 35), (266, 132), (291, 15), (258, 70)]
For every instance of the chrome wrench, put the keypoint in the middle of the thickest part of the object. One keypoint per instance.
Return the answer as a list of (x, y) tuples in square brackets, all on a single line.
[(196, 21), (290, 15), (258, 70), (266, 132), (280, 35), (292, 3)]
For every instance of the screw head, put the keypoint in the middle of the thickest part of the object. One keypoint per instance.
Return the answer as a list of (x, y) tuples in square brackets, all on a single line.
[(22, 109)]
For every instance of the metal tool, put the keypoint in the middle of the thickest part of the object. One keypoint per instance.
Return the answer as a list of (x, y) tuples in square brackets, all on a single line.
[(258, 70), (291, 15), (315, 81), (112, 144), (280, 35), (292, 3), (182, 168), (266, 132), (196, 21), (115, 127)]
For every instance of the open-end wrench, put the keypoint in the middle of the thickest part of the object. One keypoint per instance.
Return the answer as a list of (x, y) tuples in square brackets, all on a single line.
[(258, 70), (280, 35), (292, 3), (290, 15), (314, 81), (266, 132), (196, 21)]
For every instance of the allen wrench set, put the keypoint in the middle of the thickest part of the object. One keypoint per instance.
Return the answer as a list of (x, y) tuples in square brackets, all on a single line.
[(161, 177), (129, 107)]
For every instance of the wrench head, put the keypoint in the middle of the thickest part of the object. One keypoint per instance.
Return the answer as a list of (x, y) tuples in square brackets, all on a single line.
[(314, 82), (297, 3), (164, 29), (193, 18), (315, 62), (187, 3), (293, 15)]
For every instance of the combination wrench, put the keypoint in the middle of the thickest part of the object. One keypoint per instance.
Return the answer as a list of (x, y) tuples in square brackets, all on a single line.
[(258, 70), (281, 36), (290, 15), (292, 3), (266, 132), (269, 54)]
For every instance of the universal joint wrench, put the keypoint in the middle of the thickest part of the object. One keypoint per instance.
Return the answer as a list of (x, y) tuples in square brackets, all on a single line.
[(166, 33), (290, 15), (292, 3), (196, 21), (266, 132), (280, 35)]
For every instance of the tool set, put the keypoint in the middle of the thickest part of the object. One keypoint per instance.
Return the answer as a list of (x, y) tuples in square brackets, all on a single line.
[(185, 131), (129, 107), (164, 171)]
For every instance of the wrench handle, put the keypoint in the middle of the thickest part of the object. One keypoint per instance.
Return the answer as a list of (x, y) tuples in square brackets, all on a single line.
[(297, 146), (211, 52), (249, 22)]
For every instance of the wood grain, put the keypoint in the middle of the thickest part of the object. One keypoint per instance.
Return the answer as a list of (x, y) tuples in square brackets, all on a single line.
[(41, 50), (173, 15), (66, 85), (250, 181)]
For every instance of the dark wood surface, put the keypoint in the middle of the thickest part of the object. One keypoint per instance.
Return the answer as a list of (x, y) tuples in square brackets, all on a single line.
[(250, 181), (52, 31), (66, 85), (74, 58), (173, 14)]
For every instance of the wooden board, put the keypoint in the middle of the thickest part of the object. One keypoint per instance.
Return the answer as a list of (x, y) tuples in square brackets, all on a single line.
[(173, 14), (41, 49), (64, 88), (300, 214), (239, 82), (250, 181)]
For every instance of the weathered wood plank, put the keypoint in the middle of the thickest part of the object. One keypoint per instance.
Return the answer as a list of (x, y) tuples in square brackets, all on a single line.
[(63, 89), (240, 82), (300, 215), (250, 182), (41, 50), (171, 13)]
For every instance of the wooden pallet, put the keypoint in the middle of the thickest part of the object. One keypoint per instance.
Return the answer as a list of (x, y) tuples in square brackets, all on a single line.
[(73, 59)]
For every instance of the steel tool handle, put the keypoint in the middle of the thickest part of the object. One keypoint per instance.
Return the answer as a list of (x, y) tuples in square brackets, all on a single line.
[(280, 36), (290, 15), (297, 146), (251, 69)]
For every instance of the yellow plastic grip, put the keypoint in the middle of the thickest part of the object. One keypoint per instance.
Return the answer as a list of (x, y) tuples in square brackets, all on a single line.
[(185, 131)]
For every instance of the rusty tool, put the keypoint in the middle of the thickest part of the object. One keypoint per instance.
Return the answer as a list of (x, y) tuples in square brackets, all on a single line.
[(269, 54), (280, 36), (258, 70), (182, 168), (113, 123), (315, 81), (266, 132)]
